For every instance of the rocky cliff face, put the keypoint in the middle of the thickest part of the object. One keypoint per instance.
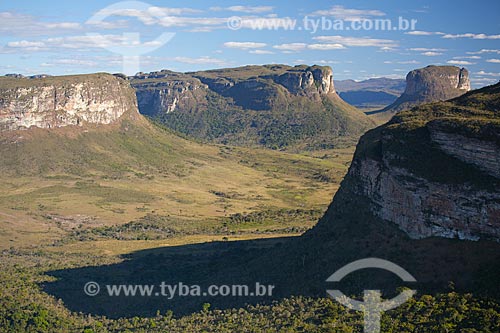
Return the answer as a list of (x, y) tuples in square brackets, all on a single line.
[(50, 102), (438, 82), (251, 87), (302, 80), (166, 91), (434, 170), (431, 84), (271, 105)]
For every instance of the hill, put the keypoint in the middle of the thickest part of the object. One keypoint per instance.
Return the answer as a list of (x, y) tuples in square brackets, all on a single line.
[(273, 106)]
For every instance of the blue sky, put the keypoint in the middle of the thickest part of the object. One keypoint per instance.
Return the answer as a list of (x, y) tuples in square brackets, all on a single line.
[(66, 37)]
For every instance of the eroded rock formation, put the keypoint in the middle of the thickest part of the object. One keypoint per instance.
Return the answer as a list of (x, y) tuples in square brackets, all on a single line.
[(50, 102)]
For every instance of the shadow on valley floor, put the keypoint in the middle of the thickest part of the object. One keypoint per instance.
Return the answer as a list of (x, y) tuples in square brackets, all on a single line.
[(295, 266), (215, 263), (205, 264)]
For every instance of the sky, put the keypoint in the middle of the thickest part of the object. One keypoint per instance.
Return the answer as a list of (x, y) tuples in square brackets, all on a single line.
[(358, 39)]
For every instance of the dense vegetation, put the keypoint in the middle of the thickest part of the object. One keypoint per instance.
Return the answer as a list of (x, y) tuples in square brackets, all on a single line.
[(25, 308)]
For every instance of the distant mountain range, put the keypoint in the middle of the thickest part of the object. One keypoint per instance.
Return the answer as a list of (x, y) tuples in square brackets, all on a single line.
[(371, 93)]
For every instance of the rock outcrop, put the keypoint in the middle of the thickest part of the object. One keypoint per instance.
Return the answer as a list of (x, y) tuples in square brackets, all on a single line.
[(50, 102), (434, 170), (272, 105), (300, 80), (431, 84)]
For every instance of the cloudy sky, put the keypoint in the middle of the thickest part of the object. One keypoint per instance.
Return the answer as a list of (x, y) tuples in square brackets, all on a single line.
[(358, 39)]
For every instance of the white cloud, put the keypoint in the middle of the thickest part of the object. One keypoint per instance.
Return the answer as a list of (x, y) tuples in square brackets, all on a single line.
[(14, 24), (166, 17), (296, 47), (460, 62), (325, 47), (494, 61), (261, 52), (244, 45), (431, 54), (291, 47), (348, 14), (424, 49), (358, 41), (484, 80), (408, 62), (245, 9), (488, 73), (149, 16), (25, 44), (389, 76), (70, 62), (326, 62), (467, 57), (205, 60), (183, 21), (471, 35), (118, 24), (423, 33), (485, 51), (63, 25), (83, 43)]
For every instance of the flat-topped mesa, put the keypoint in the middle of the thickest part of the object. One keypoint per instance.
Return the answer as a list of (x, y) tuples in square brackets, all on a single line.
[(437, 82), (431, 84), (278, 106), (166, 91), (59, 101)]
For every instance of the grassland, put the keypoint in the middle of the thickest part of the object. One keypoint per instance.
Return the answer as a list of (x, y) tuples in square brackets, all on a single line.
[(72, 198), (57, 186)]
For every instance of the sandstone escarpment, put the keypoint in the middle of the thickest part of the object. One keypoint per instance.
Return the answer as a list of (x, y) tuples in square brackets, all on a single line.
[(431, 84), (272, 105), (424, 208), (434, 170), (51, 102)]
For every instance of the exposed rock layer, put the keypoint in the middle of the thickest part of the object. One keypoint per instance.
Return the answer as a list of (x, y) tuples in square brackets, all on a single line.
[(434, 170), (50, 102)]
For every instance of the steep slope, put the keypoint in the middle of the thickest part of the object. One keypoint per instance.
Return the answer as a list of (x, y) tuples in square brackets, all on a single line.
[(275, 106), (423, 192), (371, 93), (429, 84), (434, 170)]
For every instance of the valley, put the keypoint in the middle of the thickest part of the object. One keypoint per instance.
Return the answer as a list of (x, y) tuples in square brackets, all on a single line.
[(126, 199)]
